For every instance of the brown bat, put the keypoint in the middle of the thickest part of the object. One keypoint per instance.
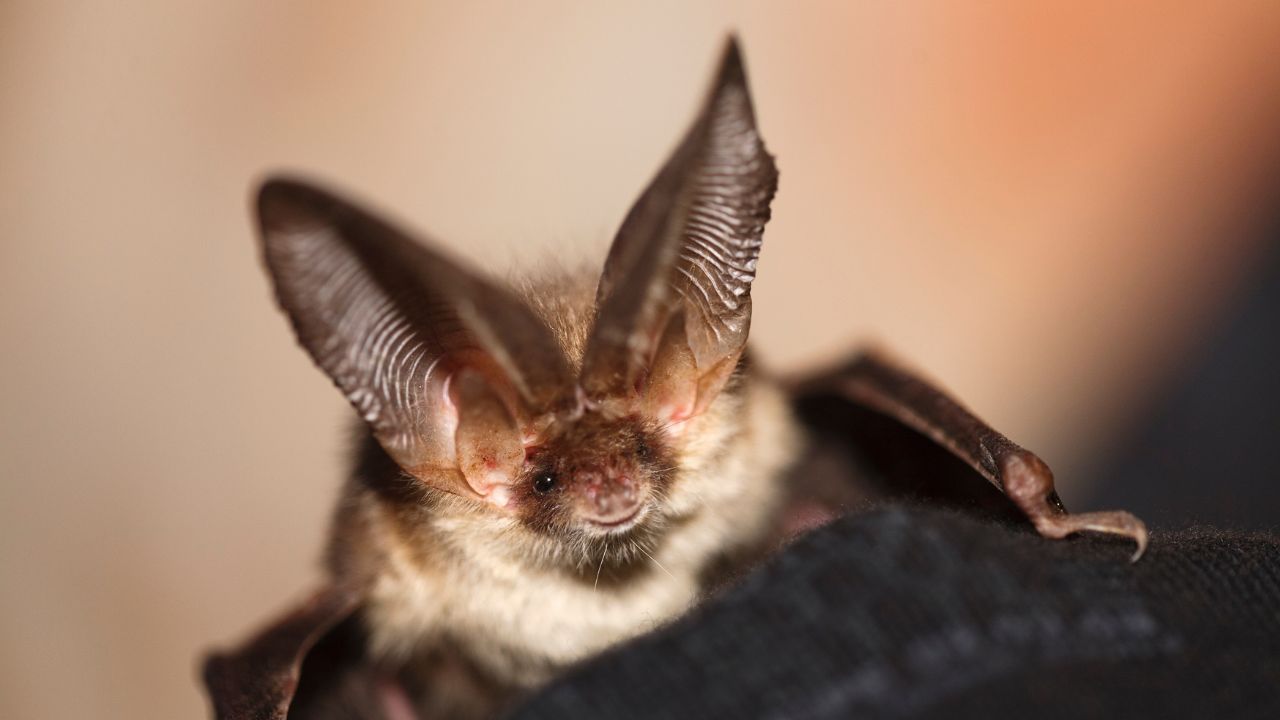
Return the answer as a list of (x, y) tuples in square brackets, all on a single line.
[(554, 467)]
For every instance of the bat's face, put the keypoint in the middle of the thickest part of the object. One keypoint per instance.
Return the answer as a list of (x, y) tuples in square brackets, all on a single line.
[(469, 390), (595, 477)]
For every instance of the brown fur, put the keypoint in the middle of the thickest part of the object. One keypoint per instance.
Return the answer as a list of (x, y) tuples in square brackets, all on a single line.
[(565, 301)]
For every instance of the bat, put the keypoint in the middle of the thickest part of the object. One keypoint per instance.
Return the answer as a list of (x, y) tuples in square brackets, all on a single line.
[(551, 466)]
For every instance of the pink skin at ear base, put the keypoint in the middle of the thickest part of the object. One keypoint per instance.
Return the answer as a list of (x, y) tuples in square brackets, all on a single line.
[(483, 470), (499, 492), (677, 422)]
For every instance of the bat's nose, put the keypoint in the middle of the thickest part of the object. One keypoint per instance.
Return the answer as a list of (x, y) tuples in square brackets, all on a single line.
[(609, 498)]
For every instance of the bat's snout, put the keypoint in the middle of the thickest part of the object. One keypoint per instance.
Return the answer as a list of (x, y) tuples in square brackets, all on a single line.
[(610, 499)]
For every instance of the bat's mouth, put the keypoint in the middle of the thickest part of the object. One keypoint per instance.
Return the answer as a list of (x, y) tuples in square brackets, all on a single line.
[(619, 525)]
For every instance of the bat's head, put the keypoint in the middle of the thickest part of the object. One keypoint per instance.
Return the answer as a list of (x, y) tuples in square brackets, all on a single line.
[(471, 391), (595, 476)]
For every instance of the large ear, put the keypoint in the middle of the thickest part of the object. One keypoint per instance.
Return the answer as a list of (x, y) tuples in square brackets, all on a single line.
[(675, 298), (447, 368)]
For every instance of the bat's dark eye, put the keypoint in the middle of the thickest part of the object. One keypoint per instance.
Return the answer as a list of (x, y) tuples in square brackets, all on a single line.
[(544, 482), (643, 451)]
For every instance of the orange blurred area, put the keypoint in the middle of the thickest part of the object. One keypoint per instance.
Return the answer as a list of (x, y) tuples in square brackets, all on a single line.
[(1042, 205)]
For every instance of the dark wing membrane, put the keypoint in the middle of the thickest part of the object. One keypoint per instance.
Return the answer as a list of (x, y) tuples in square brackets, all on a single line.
[(870, 381), (257, 681)]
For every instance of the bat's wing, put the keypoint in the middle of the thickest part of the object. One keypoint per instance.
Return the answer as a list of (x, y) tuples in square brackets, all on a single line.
[(868, 403), (258, 680)]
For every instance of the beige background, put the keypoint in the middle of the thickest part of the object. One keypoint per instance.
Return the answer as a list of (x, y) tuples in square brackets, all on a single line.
[(1041, 204)]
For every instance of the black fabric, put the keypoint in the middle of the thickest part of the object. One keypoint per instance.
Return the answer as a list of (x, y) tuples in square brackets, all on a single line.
[(911, 613)]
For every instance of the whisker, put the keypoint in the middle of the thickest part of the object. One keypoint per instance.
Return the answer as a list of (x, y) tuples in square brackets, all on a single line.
[(603, 555), (655, 562)]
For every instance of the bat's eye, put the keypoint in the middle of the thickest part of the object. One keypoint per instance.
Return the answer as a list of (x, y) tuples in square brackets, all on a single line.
[(544, 482)]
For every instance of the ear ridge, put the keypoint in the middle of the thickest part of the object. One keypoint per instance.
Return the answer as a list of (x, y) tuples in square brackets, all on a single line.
[(689, 244), (390, 321)]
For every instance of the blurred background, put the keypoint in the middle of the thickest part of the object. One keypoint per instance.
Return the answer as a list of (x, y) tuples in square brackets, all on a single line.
[(1065, 211)]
